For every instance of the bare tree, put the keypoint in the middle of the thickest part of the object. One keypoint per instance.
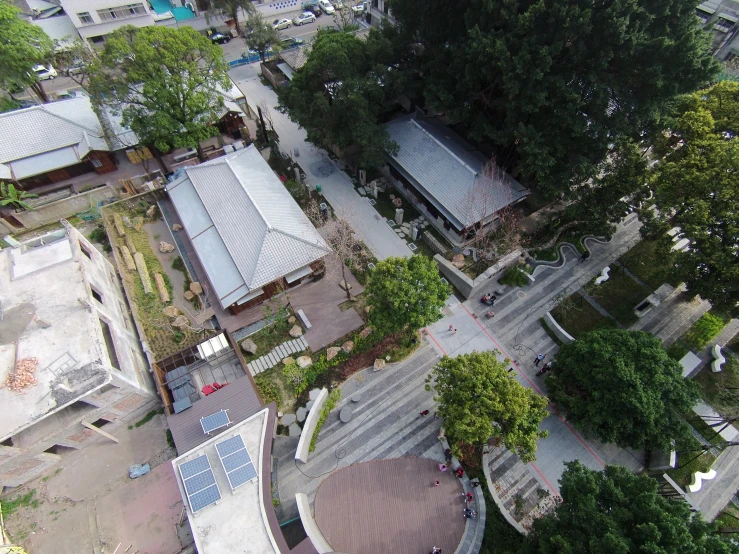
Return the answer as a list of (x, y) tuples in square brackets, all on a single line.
[(494, 226), (76, 61), (348, 252), (345, 19)]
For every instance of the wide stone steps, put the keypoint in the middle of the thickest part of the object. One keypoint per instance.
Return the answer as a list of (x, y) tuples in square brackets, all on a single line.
[(268, 361)]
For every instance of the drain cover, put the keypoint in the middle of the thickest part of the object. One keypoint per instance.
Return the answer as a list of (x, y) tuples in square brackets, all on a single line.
[(521, 294)]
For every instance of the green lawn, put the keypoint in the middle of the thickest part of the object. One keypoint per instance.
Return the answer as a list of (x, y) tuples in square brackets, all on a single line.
[(721, 390), (576, 316), (270, 337), (698, 336), (687, 453), (644, 262), (619, 296)]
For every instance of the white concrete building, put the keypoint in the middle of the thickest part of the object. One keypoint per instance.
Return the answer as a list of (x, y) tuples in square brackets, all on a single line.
[(94, 19), (62, 311), (380, 11)]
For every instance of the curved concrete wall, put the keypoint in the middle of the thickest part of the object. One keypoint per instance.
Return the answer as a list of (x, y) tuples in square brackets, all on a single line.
[(561, 334), (309, 427), (310, 526)]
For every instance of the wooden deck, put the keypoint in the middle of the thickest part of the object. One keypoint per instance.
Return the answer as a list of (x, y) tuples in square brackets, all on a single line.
[(391, 506)]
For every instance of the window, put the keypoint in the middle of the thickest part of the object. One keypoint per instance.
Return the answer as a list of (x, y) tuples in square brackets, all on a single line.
[(96, 162), (96, 295), (86, 251), (122, 12), (110, 345), (85, 18), (97, 40), (124, 315)]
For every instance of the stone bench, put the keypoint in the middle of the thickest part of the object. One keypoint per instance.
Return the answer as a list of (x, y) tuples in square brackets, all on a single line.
[(304, 319), (718, 359)]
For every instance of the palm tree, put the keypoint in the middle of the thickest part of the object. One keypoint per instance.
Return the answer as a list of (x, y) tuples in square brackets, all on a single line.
[(11, 196), (230, 9)]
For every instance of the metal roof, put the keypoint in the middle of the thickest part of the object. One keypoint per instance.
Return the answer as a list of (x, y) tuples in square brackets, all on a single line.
[(246, 228), (49, 127), (446, 170)]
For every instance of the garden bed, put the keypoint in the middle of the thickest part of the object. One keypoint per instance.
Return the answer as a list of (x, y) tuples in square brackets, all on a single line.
[(689, 448), (644, 262), (619, 296), (576, 316), (700, 334), (271, 335), (721, 390)]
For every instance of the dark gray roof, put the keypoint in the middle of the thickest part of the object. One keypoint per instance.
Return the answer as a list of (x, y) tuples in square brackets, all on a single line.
[(239, 398), (447, 169)]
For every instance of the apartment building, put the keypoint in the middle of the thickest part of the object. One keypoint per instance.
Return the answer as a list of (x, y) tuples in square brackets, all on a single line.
[(71, 361), (94, 19)]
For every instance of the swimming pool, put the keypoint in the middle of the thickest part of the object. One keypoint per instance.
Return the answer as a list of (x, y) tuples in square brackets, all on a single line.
[(163, 6)]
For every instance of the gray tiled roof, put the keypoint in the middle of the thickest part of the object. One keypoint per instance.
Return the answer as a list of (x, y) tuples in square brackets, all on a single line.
[(243, 223), (296, 57), (447, 169), (40, 129)]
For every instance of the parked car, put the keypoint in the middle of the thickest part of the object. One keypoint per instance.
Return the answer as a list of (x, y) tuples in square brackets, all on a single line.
[(219, 38), (327, 7), (44, 72), (315, 9), (359, 8), (303, 18), (70, 94), (280, 24), (77, 67), (290, 42)]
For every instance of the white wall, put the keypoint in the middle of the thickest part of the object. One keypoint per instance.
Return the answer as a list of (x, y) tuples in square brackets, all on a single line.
[(100, 27)]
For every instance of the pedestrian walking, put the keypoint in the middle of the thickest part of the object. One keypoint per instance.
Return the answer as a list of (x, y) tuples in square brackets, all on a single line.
[(469, 514), (493, 298), (425, 413), (436, 483), (448, 454), (475, 484), (442, 467), (454, 331), (451, 328), (460, 472), (467, 496), (539, 359)]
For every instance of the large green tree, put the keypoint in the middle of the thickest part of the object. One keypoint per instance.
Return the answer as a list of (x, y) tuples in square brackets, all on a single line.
[(553, 83), (23, 45), (231, 9), (405, 294), (165, 82), (697, 189), (479, 399), (617, 512), (343, 91), (623, 387)]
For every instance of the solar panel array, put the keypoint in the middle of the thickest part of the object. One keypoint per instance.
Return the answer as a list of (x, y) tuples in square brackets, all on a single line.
[(200, 483), (236, 462), (214, 421)]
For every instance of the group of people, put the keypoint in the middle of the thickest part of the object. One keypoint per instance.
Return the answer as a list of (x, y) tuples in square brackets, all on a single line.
[(546, 367), (489, 299)]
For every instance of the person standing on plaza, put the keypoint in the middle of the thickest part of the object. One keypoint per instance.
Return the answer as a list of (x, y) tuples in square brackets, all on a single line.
[(539, 359)]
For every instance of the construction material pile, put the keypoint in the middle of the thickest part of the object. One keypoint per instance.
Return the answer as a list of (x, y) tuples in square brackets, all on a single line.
[(23, 376)]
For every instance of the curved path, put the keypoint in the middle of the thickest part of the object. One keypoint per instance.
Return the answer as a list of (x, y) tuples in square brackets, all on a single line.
[(391, 506)]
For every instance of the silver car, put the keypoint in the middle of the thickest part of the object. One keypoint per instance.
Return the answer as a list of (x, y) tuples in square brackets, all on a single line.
[(303, 18), (280, 24)]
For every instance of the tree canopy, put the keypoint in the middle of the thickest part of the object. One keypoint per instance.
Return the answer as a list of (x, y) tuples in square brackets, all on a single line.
[(696, 188), (340, 95), (553, 84), (260, 36), (617, 512), (623, 387), (479, 399), (405, 294), (231, 9), (23, 45), (165, 82)]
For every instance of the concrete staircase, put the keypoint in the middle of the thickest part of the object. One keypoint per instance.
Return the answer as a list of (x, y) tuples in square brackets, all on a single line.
[(268, 361)]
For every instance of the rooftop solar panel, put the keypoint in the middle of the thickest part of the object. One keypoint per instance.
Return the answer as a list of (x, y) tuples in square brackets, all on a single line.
[(204, 498), (242, 475), (199, 482), (193, 467), (236, 460), (214, 421), (229, 446)]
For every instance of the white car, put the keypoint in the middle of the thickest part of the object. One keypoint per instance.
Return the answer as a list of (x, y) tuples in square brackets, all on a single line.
[(303, 18), (359, 8), (326, 6), (44, 72), (279, 24)]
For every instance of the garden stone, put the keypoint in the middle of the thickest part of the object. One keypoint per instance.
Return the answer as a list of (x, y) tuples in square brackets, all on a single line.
[(189, 295), (313, 394), (304, 361), (289, 360), (177, 227), (196, 288), (301, 413), (356, 398), (309, 405), (165, 247), (249, 346), (181, 321), (348, 346), (294, 430), (171, 311), (296, 331), (379, 364), (287, 419), (365, 332), (332, 352), (291, 320), (152, 211)]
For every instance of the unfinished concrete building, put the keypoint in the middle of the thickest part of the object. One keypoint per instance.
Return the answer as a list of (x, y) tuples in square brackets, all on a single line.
[(71, 363)]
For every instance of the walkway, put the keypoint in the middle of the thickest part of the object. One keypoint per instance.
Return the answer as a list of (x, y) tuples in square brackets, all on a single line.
[(391, 506), (336, 185)]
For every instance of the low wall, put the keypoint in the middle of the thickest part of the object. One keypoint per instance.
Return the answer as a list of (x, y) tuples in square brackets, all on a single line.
[(309, 427), (310, 526), (560, 333), (64, 208), (488, 279)]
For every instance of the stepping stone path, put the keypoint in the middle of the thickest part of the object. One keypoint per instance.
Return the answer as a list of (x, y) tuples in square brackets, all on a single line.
[(287, 419), (294, 430), (309, 405), (301, 413), (271, 359), (313, 394)]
